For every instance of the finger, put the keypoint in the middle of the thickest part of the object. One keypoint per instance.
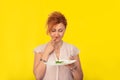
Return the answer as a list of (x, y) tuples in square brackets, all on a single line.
[(53, 41), (71, 57)]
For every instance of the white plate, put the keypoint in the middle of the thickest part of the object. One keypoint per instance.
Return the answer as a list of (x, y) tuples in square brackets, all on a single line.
[(64, 62)]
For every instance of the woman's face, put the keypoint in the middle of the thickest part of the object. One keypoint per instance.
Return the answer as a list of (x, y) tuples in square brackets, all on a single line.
[(57, 32)]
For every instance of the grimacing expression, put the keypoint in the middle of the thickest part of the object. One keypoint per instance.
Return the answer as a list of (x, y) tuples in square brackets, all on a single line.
[(57, 32)]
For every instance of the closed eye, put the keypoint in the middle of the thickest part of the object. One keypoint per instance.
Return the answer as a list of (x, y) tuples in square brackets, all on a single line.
[(60, 30), (53, 30)]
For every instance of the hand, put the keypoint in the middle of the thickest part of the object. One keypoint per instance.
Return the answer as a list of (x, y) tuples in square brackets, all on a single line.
[(50, 46), (71, 66)]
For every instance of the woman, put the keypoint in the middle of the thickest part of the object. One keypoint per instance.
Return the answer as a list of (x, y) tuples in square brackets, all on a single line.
[(56, 49)]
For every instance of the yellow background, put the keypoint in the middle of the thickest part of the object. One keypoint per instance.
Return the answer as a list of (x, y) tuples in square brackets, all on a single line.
[(93, 27)]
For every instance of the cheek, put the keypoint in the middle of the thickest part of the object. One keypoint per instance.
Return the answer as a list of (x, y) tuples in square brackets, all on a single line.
[(51, 34), (61, 34)]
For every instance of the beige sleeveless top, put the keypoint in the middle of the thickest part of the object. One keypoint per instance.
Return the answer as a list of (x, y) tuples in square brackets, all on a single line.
[(59, 72)]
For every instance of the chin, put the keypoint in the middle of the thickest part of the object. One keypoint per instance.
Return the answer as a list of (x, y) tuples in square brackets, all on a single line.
[(58, 40)]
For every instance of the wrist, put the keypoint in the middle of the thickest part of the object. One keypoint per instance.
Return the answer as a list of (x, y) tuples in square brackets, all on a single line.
[(43, 60)]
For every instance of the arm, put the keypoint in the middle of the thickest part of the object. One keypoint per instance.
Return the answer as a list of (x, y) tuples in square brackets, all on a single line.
[(39, 66), (77, 71)]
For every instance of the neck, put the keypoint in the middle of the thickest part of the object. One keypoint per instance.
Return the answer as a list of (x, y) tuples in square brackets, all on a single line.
[(58, 44)]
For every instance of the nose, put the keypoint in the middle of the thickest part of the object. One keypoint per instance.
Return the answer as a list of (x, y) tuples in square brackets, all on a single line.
[(56, 34)]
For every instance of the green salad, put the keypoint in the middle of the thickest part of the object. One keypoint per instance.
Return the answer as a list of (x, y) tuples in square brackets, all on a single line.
[(58, 62)]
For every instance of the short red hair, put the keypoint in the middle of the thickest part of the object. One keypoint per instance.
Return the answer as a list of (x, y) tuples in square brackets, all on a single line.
[(55, 18)]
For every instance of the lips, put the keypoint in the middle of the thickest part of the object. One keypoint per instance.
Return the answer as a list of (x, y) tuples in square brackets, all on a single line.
[(56, 38)]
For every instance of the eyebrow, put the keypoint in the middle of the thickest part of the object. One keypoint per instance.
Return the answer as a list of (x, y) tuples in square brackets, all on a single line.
[(58, 29)]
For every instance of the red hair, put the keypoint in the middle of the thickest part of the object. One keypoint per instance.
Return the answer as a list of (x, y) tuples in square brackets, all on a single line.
[(55, 18)]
